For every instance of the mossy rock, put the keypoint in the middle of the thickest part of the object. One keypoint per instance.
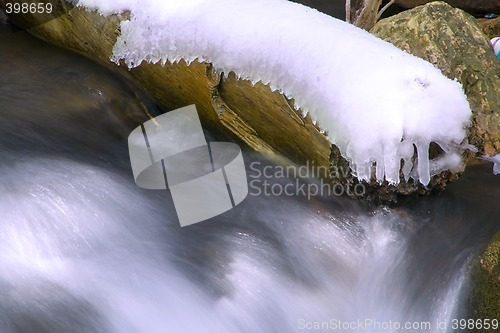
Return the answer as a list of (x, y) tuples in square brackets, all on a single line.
[(485, 276), (452, 41), (471, 6)]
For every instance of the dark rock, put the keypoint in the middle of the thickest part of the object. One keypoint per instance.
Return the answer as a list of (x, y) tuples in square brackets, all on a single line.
[(471, 6)]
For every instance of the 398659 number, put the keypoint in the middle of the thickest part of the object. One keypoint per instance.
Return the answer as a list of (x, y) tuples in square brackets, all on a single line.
[(25, 8), (475, 324)]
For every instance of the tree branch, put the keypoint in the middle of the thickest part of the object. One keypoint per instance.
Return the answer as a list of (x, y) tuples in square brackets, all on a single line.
[(379, 15)]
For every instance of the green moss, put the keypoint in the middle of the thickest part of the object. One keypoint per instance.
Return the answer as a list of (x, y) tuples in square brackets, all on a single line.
[(486, 282), (452, 41)]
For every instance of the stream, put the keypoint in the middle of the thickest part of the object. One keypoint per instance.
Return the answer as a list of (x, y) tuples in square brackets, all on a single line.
[(83, 249)]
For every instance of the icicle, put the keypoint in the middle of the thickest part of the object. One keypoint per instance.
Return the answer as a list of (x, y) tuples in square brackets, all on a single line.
[(496, 162), (392, 165), (363, 171), (407, 167), (423, 163), (406, 151)]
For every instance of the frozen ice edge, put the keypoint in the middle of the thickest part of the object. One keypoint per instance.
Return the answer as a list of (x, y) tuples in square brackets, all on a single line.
[(377, 103), (496, 162)]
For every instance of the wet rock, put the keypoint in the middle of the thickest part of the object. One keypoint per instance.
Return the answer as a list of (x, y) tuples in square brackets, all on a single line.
[(485, 280), (252, 114), (491, 27), (471, 6), (452, 41)]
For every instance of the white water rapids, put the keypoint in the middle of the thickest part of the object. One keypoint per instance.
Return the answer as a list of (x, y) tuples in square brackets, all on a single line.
[(83, 249)]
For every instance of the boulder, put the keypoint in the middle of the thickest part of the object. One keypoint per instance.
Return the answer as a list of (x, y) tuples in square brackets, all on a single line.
[(471, 6), (266, 121), (451, 40), (485, 282)]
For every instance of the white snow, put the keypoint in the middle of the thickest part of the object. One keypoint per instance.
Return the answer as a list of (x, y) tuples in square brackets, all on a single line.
[(375, 101)]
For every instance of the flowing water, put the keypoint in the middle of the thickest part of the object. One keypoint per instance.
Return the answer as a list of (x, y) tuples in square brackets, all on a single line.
[(83, 249)]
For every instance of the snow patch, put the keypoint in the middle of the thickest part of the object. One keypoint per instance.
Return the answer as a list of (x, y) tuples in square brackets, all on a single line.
[(377, 103)]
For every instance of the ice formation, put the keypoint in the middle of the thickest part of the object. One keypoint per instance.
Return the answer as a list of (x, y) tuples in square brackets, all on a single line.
[(377, 103), (496, 162)]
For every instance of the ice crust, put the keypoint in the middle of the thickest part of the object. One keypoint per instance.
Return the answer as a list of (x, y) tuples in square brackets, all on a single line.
[(378, 104)]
